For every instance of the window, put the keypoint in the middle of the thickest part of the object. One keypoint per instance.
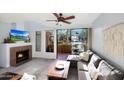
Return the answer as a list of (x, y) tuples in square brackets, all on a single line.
[(79, 35), (79, 40), (63, 36), (76, 38), (38, 41)]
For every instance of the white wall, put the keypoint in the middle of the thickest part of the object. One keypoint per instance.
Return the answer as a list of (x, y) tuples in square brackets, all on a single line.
[(20, 26), (5, 53), (97, 40), (107, 19), (33, 27), (101, 23), (4, 31)]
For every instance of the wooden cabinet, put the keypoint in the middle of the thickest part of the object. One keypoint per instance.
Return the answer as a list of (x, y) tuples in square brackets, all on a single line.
[(64, 48)]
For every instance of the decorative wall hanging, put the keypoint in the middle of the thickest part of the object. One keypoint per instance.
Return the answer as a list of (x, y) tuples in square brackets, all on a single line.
[(113, 41)]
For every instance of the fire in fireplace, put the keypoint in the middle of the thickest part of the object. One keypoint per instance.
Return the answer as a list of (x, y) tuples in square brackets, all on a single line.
[(22, 56)]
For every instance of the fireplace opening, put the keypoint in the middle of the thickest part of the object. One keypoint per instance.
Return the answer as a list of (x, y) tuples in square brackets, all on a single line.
[(22, 56)]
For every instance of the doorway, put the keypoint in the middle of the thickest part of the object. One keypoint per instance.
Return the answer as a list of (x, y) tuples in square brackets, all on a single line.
[(63, 43)]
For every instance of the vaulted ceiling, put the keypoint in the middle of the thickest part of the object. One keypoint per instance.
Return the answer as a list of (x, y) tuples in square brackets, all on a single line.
[(81, 19)]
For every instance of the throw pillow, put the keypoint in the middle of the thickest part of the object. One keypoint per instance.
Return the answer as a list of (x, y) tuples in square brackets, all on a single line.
[(84, 56), (94, 73), (88, 50), (105, 69), (28, 77)]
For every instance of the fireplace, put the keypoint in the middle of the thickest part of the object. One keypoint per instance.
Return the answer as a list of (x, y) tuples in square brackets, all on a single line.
[(22, 56), (19, 55)]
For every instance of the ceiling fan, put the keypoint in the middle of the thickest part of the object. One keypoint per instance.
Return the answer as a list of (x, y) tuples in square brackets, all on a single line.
[(60, 18)]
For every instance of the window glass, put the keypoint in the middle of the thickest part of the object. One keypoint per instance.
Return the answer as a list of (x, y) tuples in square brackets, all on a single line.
[(38, 41), (63, 36)]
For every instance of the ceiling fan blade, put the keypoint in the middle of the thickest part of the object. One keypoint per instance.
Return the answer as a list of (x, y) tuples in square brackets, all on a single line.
[(70, 17), (52, 20), (56, 15), (66, 22)]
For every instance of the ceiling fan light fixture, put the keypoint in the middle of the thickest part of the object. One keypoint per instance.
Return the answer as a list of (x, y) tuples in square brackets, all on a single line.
[(60, 14), (62, 19), (59, 23)]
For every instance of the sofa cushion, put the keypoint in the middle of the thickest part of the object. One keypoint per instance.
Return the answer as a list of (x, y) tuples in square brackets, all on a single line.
[(82, 66), (95, 60), (109, 72), (90, 54), (105, 69), (115, 75), (83, 75)]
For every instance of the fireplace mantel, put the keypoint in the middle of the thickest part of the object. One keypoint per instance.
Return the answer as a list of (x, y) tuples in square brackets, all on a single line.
[(5, 52)]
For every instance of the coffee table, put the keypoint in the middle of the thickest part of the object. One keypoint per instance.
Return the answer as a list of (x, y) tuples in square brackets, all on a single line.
[(55, 74)]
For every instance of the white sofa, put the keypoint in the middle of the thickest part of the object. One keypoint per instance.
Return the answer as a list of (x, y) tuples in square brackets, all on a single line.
[(97, 69)]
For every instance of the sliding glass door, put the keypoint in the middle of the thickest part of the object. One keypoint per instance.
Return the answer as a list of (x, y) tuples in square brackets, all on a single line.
[(72, 40), (64, 41), (79, 40)]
